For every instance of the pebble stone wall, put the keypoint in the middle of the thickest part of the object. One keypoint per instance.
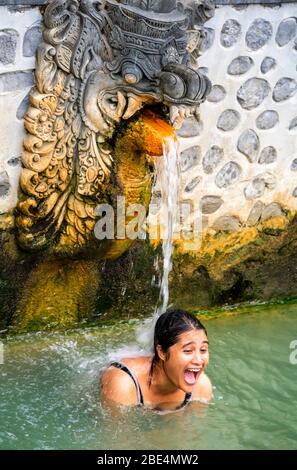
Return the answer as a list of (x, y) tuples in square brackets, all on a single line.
[(240, 161), (20, 34)]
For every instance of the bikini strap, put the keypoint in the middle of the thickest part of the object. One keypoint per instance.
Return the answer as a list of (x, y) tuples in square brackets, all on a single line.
[(188, 398), (126, 369)]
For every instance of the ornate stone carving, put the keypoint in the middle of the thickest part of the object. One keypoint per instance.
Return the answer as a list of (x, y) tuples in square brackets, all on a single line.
[(99, 63)]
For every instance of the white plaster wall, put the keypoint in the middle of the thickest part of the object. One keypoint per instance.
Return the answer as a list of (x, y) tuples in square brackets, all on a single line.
[(217, 59), (11, 128)]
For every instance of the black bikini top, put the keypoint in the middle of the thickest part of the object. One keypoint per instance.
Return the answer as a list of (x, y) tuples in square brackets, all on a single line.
[(123, 367)]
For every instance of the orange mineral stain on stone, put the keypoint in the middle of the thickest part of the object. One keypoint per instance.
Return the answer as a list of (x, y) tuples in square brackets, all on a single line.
[(135, 148), (155, 132)]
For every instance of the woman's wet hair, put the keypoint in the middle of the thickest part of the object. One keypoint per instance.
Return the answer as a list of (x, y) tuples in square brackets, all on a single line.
[(169, 326)]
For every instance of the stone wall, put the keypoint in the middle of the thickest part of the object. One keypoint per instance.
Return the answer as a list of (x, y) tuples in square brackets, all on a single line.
[(242, 156), (238, 165), (19, 37), (245, 156)]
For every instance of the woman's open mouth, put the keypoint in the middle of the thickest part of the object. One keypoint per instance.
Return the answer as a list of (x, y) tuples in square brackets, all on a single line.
[(191, 375)]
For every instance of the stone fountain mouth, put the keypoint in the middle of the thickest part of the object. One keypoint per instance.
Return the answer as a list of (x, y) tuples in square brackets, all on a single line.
[(136, 99)]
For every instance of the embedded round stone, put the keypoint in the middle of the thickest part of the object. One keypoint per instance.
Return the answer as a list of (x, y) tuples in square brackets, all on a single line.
[(252, 93), (216, 94), (190, 158), (208, 39), (190, 128), (203, 70), (295, 192), (12, 81), (255, 214), (231, 32), (254, 189), (4, 184), (227, 223), (268, 155), (248, 144), (294, 165), (271, 210), (32, 39), (268, 64), (228, 120), (192, 184), (284, 89), (14, 161), (293, 124), (258, 34), (240, 65), (23, 107), (212, 158), (210, 204), (8, 44), (267, 120), (229, 174), (286, 31)]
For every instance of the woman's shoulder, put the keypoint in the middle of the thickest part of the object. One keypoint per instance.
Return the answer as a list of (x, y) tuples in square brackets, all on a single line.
[(117, 385), (203, 388)]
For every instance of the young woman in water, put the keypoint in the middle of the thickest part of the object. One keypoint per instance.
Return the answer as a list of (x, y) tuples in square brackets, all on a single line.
[(170, 379)]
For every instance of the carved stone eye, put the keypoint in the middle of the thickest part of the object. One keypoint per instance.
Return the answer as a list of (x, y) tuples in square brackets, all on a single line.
[(112, 102), (109, 102)]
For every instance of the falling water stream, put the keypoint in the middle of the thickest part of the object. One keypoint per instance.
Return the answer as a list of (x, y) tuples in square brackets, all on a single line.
[(168, 173), (167, 178)]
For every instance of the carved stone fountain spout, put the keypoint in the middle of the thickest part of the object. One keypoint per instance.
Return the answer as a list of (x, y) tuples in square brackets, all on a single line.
[(99, 63)]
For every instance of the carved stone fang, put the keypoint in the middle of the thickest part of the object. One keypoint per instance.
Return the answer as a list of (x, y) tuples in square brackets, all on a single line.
[(134, 104), (177, 115), (173, 114), (121, 104)]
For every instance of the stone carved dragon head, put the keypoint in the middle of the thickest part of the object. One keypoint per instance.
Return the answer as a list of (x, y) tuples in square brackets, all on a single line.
[(99, 63)]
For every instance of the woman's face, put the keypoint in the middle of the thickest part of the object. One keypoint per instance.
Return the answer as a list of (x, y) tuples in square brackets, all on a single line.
[(187, 359)]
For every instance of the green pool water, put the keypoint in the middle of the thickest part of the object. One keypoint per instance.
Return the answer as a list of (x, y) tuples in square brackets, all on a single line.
[(49, 394)]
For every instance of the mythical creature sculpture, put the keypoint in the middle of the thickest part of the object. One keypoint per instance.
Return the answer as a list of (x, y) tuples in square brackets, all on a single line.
[(99, 63)]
